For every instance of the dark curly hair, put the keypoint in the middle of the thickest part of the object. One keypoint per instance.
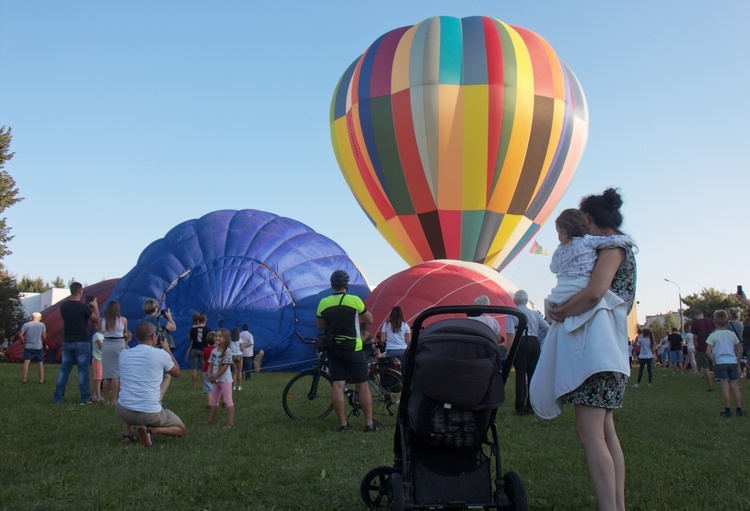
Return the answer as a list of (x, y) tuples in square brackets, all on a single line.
[(604, 209)]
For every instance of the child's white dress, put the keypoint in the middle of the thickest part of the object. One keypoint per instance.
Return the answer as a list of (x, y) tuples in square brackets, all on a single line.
[(565, 362)]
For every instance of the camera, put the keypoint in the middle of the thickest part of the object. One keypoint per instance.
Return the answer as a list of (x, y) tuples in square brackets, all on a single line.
[(163, 313), (89, 299)]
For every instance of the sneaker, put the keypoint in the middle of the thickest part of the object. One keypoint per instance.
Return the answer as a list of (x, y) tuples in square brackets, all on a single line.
[(87, 402), (144, 435), (345, 427), (725, 414), (372, 428), (234, 387), (636, 385), (738, 413), (650, 385), (239, 387)]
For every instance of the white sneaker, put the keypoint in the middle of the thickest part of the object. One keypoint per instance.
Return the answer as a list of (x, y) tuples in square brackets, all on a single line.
[(234, 387), (636, 386), (650, 385), (239, 387)]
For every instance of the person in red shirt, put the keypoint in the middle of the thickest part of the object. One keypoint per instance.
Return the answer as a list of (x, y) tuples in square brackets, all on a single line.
[(210, 340), (701, 329)]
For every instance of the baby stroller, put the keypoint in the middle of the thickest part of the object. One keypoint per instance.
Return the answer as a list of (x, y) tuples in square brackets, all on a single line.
[(446, 436)]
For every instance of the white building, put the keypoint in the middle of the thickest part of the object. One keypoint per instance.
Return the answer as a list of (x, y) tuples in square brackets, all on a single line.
[(37, 302)]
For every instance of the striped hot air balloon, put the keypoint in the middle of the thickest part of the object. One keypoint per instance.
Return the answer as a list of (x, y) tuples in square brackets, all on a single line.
[(458, 137)]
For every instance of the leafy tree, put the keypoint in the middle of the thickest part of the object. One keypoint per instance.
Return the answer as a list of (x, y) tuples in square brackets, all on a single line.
[(12, 315), (707, 301), (58, 282), (28, 285), (8, 190), (658, 329), (672, 321)]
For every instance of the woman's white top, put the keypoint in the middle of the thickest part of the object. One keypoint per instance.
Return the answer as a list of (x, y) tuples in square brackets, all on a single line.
[(118, 331), (395, 340)]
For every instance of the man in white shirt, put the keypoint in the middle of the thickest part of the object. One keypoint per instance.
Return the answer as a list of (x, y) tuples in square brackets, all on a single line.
[(141, 372), (527, 354)]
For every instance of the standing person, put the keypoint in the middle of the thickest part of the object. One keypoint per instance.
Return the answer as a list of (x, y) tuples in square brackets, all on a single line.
[(724, 349), (198, 335), (690, 345), (220, 377), (76, 316), (647, 346), (116, 337), (397, 334), (340, 315), (96, 366), (487, 319), (676, 359), (164, 325), (527, 353), (247, 342), (735, 325), (142, 371), (207, 385), (701, 329), (33, 334), (234, 347), (603, 369)]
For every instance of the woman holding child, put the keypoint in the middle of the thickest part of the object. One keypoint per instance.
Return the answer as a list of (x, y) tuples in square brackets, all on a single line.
[(585, 355)]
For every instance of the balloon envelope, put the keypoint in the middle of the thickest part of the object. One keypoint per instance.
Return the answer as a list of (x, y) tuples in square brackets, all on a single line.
[(240, 267), (437, 283), (458, 137)]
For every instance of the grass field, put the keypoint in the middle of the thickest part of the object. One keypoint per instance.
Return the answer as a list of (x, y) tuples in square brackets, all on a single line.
[(680, 454)]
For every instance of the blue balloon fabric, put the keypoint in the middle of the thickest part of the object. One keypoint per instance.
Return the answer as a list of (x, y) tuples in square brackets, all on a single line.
[(241, 267)]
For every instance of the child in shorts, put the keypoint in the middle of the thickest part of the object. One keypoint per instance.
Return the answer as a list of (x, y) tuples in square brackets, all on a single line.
[(210, 340), (724, 349), (219, 374), (96, 365)]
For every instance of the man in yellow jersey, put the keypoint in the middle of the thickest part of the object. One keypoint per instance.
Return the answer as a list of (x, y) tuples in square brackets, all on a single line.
[(340, 314)]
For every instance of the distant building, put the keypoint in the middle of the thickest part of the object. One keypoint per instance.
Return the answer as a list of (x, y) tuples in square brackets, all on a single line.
[(662, 317), (37, 302)]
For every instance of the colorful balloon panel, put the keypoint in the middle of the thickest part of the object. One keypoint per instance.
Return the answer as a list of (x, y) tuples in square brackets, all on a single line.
[(458, 137)]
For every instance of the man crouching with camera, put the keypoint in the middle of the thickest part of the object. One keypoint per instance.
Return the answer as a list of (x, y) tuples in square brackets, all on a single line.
[(139, 402), (164, 325)]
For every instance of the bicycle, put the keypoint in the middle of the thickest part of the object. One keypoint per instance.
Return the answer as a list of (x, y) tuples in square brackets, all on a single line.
[(307, 396)]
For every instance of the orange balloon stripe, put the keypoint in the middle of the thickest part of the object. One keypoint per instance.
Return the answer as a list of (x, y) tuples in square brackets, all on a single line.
[(450, 146)]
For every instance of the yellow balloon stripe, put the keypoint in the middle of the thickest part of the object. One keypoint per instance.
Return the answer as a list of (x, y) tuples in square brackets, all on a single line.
[(511, 231), (475, 147)]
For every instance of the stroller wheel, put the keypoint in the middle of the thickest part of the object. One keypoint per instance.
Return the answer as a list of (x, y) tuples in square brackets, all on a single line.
[(515, 491), (375, 485), (397, 492)]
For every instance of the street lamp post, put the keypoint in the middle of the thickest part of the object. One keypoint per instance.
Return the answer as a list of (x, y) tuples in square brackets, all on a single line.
[(679, 294)]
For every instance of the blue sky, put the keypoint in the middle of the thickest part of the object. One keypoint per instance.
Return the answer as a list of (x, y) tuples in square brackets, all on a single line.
[(131, 117)]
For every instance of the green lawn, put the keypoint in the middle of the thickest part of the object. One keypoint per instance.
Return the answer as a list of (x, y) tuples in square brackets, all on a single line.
[(680, 454)]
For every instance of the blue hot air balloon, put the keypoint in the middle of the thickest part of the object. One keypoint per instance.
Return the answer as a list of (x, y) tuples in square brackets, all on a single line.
[(240, 267)]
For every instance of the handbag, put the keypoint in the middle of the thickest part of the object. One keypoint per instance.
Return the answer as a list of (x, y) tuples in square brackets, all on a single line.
[(324, 341)]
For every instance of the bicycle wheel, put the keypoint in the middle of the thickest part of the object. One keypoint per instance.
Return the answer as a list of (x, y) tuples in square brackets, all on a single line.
[(308, 395), (385, 387)]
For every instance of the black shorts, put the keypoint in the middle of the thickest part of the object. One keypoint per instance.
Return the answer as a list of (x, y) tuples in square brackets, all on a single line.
[(349, 366)]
